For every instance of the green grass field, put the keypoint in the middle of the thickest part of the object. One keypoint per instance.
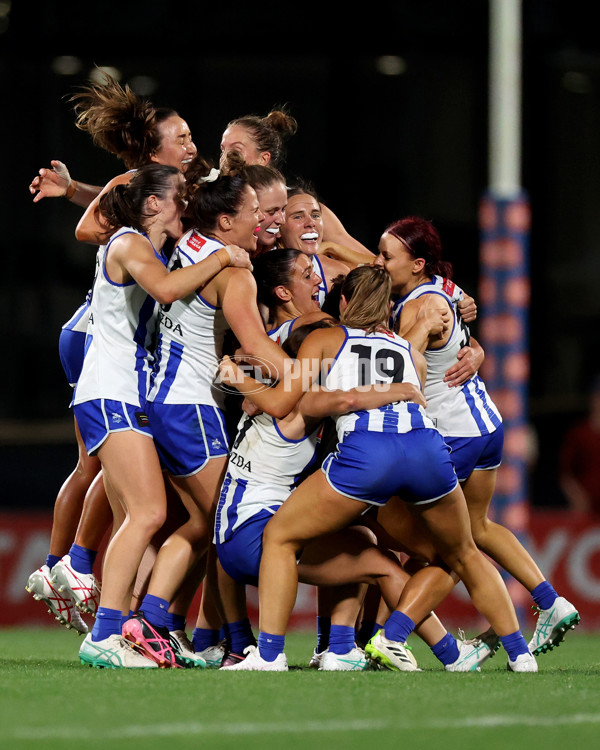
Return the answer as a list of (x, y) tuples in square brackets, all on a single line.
[(49, 700)]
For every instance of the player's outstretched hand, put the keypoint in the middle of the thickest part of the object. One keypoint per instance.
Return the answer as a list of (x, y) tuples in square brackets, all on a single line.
[(51, 183)]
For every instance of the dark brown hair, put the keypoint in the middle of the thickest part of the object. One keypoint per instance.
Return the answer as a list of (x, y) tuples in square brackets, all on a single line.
[(119, 121), (270, 132)]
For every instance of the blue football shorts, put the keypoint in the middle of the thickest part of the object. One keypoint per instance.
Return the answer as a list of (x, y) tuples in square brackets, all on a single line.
[(240, 555), (71, 348), (476, 453), (373, 466), (98, 418), (187, 436)]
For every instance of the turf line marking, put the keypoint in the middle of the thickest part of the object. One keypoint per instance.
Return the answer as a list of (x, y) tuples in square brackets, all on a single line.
[(357, 725)]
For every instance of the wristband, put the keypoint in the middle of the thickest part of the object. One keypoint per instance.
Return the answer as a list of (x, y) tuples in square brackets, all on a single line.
[(71, 189), (228, 261)]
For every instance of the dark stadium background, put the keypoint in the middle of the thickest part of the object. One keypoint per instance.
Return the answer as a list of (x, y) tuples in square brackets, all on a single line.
[(376, 147)]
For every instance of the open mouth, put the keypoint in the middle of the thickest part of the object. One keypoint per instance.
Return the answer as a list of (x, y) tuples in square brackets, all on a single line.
[(309, 236), (273, 230)]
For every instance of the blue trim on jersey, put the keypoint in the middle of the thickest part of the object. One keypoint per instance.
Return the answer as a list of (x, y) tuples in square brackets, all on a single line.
[(481, 426), (283, 437), (401, 300), (416, 416), (277, 328), (88, 342), (204, 302), (104, 271), (399, 304), (200, 297), (159, 254), (82, 310), (221, 501), (238, 494), (193, 263), (335, 359), (474, 409), (481, 393), (140, 338), (323, 284), (447, 300), (391, 418), (175, 356), (185, 255)]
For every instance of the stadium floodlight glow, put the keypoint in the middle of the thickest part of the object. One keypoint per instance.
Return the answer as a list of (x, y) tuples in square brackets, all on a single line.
[(96, 73), (143, 85), (390, 65), (66, 65)]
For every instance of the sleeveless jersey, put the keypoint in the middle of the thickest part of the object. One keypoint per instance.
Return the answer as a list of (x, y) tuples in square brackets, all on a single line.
[(437, 283), (79, 320), (282, 332), (368, 359), (318, 269), (264, 467), (467, 411), (190, 337), (117, 363)]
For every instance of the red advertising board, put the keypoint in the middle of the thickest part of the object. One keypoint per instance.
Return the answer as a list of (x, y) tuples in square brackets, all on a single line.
[(566, 548)]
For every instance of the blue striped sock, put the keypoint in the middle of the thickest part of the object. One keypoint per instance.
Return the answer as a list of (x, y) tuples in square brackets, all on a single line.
[(544, 595), (398, 627), (270, 646)]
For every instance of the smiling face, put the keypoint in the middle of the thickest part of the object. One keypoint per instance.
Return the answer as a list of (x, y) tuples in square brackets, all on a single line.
[(272, 200), (303, 226), (240, 139), (243, 226), (395, 257), (304, 286), (166, 212), (176, 148)]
